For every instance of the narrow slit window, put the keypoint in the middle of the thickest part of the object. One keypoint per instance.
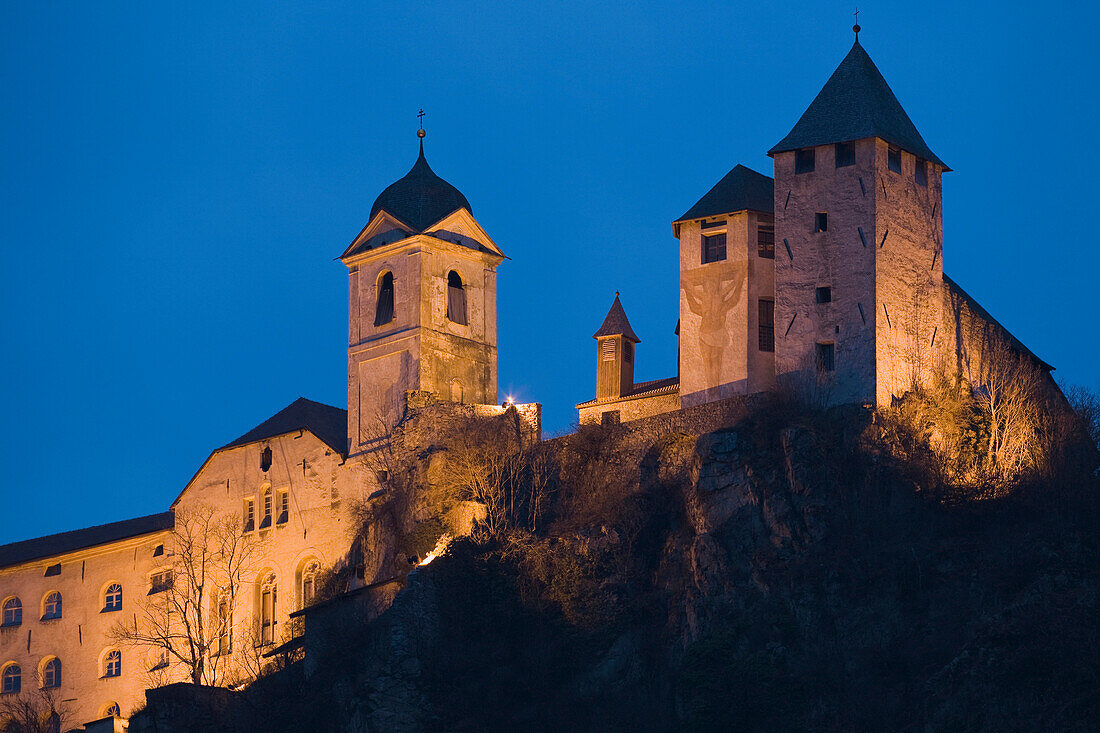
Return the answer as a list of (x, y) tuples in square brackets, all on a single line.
[(765, 241), (804, 160), (824, 357), (456, 298), (714, 247), (766, 324), (845, 154), (821, 222), (383, 311)]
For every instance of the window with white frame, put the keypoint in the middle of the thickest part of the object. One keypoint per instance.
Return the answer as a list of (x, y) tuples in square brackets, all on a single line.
[(112, 597), (112, 663), (51, 606), (13, 612)]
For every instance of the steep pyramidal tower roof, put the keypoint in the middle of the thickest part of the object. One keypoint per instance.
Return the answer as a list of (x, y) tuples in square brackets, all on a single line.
[(856, 103), (742, 189), (421, 198), (616, 323)]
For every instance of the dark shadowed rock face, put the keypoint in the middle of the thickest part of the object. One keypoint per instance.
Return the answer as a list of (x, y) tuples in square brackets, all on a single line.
[(775, 572)]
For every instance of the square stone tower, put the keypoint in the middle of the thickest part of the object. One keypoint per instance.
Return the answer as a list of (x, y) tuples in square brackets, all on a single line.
[(727, 290), (421, 304), (858, 218)]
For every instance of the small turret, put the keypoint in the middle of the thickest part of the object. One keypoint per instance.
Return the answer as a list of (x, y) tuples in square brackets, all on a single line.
[(615, 354)]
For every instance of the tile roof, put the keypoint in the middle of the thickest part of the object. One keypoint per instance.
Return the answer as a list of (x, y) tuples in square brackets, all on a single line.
[(739, 190), (328, 423), (57, 544), (856, 103), (421, 198), (652, 388), (616, 323)]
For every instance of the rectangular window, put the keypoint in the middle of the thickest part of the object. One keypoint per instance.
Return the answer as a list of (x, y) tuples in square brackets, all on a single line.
[(824, 295), (845, 154), (893, 159), (611, 417), (765, 324), (284, 507), (714, 248), (765, 241), (804, 160), (53, 570), (712, 225), (607, 350), (249, 515), (920, 173), (821, 222), (824, 358), (160, 581)]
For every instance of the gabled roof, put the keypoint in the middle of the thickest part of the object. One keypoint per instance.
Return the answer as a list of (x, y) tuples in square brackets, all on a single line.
[(742, 189), (616, 323), (58, 544), (421, 198), (856, 103), (328, 423)]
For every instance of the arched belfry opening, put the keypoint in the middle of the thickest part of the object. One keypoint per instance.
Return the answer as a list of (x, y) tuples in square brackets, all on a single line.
[(456, 298)]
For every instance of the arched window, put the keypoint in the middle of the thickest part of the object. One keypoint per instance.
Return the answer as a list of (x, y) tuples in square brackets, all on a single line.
[(112, 597), (11, 679), (51, 606), (267, 504), (111, 709), (383, 311), (13, 612), (51, 674), (456, 298), (112, 663), (309, 582), (268, 601)]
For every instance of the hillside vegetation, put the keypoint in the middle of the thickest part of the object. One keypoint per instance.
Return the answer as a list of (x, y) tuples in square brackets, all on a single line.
[(763, 568)]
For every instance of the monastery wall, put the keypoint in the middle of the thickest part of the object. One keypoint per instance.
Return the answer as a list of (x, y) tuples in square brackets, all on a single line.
[(80, 637)]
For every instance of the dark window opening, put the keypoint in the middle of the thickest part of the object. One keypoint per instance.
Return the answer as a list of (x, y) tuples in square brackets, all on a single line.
[(628, 351), (456, 298), (920, 172), (766, 324), (845, 154), (804, 160), (824, 295), (821, 222), (383, 311), (53, 570), (765, 241), (158, 550), (160, 581), (711, 225), (893, 159), (714, 248), (824, 358), (611, 417), (265, 459)]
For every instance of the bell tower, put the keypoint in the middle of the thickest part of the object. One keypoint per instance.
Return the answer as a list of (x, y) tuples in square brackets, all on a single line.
[(421, 304), (858, 243)]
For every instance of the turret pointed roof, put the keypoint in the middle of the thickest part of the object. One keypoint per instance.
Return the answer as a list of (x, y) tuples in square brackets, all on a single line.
[(856, 103), (421, 198), (616, 324), (739, 190)]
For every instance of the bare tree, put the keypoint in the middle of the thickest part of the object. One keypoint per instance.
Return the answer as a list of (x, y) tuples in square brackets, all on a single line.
[(188, 616), (33, 711)]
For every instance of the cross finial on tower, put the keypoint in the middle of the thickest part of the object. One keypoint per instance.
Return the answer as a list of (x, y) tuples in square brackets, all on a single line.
[(420, 133), (856, 27)]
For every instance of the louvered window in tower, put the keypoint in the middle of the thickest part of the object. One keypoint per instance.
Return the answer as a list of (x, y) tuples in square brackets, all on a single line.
[(383, 312), (456, 298), (607, 350)]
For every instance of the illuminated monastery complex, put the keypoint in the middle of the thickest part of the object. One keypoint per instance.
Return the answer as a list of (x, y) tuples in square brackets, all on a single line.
[(827, 277)]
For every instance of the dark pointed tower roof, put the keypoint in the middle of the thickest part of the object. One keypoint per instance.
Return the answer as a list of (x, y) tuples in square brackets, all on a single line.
[(739, 190), (616, 324), (856, 103), (421, 198)]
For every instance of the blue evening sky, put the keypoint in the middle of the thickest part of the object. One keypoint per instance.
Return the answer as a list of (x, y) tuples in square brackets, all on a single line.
[(178, 177)]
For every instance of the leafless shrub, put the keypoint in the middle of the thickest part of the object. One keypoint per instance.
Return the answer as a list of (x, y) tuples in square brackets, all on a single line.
[(189, 616), (33, 711)]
